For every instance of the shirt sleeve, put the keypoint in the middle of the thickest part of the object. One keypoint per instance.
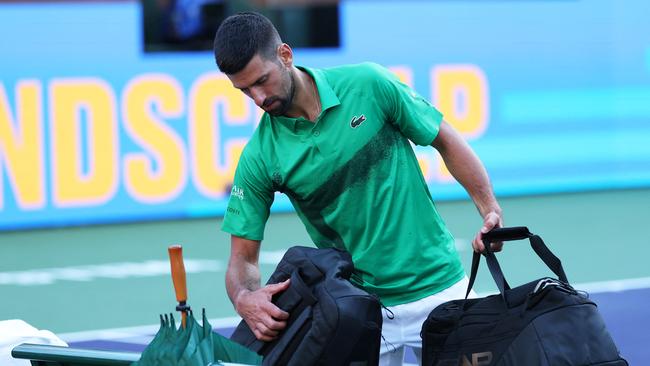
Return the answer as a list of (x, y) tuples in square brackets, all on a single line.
[(415, 117), (250, 200)]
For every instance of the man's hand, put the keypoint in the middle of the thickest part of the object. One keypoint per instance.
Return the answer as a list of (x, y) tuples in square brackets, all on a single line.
[(490, 221), (264, 318)]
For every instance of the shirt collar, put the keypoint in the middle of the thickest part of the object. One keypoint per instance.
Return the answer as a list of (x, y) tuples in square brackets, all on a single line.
[(328, 98)]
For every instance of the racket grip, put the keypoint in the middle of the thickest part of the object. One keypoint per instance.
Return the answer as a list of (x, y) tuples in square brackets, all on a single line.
[(178, 272)]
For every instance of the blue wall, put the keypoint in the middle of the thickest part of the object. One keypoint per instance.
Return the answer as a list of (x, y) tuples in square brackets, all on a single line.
[(553, 95)]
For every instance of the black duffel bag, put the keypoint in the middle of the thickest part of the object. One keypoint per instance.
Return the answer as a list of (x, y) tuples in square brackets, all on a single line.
[(544, 322)]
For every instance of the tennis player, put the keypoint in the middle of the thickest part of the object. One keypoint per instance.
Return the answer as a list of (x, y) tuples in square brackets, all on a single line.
[(337, 142)]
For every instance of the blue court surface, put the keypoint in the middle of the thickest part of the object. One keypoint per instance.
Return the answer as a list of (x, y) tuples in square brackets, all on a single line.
[(623, 305)]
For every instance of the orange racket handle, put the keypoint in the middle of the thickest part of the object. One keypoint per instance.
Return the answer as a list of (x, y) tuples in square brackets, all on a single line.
[(178, 277)]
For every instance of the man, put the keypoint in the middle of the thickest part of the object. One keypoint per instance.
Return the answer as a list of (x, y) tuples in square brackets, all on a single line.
[(336, 142)]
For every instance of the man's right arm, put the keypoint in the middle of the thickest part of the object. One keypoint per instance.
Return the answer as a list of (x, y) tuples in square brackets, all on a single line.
[(253, 302)]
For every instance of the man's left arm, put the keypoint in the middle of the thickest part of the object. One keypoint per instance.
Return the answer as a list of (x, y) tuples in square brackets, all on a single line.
[(467, 169)]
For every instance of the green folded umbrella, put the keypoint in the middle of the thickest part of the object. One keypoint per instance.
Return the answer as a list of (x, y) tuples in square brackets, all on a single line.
[(193, 345)]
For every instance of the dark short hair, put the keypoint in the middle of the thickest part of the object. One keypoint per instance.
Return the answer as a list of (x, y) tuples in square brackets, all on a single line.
[(242, 36)]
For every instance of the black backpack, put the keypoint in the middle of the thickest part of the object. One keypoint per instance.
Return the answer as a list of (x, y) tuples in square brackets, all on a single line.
[(544, 322), (331, 322)]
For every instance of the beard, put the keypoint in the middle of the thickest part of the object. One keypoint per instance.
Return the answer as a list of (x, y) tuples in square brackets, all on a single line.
[(284, 101)]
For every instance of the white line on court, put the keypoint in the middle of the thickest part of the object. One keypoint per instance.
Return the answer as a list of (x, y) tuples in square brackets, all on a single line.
[(614, 286), (119, 270)]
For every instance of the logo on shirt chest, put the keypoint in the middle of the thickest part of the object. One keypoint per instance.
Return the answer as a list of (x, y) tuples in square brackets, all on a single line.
[(356, 121)]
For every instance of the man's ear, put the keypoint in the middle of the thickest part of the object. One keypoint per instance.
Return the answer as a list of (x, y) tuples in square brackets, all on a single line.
[(285, 53)]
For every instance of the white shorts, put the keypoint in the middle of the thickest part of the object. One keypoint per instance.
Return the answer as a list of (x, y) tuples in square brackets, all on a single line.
[(406, 323)]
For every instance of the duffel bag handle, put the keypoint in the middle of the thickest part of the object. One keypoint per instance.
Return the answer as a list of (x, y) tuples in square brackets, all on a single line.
[(508, 234)]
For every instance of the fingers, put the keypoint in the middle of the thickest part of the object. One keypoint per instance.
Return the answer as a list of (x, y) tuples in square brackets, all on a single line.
[(263, 333), (479, 246), (268, 330), (270, 308), (477, 243), (266, 327), (492, 220), (275, 312), (261, 336), (264, 318), (278, 287)]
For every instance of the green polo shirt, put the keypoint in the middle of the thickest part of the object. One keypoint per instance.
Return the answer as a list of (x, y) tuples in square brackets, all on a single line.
[(354, 181)]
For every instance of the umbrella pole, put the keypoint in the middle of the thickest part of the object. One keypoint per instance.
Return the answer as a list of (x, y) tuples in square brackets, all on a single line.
[(178, 278)]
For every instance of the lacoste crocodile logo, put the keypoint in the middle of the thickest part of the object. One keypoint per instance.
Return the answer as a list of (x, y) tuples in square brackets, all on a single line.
[(356, 121)]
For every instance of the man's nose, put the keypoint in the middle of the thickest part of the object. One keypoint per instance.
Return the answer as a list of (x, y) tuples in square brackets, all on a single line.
[(258, 96)]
